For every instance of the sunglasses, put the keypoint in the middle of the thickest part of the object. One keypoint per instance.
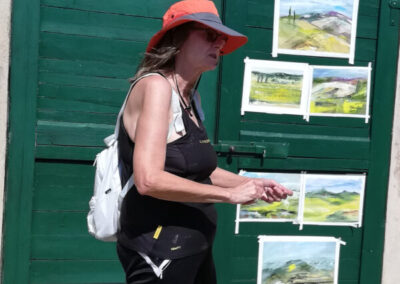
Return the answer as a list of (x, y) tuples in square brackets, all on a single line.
[(211, 35)]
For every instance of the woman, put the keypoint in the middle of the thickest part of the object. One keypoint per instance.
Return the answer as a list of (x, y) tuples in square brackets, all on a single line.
[(168, 220)]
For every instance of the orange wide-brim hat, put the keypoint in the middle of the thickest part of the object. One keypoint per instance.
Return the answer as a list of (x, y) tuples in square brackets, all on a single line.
[(200, 11)]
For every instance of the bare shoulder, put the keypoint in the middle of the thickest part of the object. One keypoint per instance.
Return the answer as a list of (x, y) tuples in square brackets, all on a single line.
[(154, 86)]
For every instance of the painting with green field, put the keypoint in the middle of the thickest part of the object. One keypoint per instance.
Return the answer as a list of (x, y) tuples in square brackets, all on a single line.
[(315, 27), (333, 199), (340, 91), (274, 87), (285, 210), (298, 259)]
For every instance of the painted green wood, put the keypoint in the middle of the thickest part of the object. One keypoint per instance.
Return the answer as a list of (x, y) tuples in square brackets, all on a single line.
[(75, 47), (94, 24), (72, 134), (76, 272), (21, 135), (383, 104), (62, 186), (145, 8), (67, 152), (87, 68)]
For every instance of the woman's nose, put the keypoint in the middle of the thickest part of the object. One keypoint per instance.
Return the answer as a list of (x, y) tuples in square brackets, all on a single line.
[(220, 42)]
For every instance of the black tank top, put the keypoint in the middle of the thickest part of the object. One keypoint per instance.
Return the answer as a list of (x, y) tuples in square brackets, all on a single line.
[(163, 228)]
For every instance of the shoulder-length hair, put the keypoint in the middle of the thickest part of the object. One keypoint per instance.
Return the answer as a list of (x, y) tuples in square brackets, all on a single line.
[(162, 57)]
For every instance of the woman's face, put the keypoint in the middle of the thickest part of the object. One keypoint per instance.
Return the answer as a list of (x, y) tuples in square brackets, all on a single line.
[(202, 48)]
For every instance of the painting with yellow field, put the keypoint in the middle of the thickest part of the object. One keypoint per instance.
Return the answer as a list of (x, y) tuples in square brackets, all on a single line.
[(340, 91), (298, 259), (275, 87), (333, 199), (315, 28)]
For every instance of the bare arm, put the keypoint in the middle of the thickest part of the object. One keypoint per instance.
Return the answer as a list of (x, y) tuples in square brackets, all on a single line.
[(151, 100)]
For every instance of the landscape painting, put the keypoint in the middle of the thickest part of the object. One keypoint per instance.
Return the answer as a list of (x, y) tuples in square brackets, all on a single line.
[(275, 87), (333, 199), (315, 27), (291, 259), (340, 91), (285, 210)]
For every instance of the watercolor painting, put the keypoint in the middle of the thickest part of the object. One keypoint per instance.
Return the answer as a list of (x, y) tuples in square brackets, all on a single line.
[(274, 87), (284, 210), (333, 199), (288, 259), (315, 27), (340, 90)]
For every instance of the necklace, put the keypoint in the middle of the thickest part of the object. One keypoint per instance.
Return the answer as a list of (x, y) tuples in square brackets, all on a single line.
[(188, 108)]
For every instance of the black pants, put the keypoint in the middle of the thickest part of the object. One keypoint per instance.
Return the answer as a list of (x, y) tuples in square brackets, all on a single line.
[(195, 269)]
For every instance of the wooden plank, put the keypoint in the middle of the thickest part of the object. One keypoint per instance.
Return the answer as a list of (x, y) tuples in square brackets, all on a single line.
[(381, 133), (144, 8), (95, 24), (72, 134), (56, 234), (21, 141), (64, 247), (305, 164), (76, 272), (83, 81), (67, 153), (314, 146), (77, 117), (87, 68), (62, 186), (74, 47)]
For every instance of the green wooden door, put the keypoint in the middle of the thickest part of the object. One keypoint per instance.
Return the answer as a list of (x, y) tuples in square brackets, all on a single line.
[(69, 68), (71, 61), (323, 145)]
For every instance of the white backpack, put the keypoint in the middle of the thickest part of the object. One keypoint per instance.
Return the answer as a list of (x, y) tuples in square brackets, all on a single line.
[(105, 204)]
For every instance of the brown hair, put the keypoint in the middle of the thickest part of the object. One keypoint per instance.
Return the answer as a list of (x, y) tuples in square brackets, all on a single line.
[(162, 57)]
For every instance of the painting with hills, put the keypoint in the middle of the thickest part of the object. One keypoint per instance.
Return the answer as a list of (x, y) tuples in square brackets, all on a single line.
[(340, 91), (315, 28), (297, 259), (275, 87), (318, 199), (285, 210), (332, 199)]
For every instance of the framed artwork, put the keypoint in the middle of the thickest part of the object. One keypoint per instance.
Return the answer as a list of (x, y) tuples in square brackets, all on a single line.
[(297, 259), (340, 91), (315, 28), (309, 90), (318, 199), (275, 87), (331, 199), (261, 211)]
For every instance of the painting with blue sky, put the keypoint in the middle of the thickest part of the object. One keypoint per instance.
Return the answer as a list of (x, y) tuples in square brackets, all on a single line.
[(285, 259), (333, 198), (320, 28), (340, 91), (286, 209)]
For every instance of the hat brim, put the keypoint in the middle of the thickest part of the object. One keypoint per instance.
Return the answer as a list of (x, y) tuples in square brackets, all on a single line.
[(233, 42)]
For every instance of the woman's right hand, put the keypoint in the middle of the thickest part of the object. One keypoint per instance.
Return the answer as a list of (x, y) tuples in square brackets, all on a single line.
[(247, 192)]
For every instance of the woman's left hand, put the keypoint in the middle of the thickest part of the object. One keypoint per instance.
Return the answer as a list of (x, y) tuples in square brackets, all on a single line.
[(273, 191)]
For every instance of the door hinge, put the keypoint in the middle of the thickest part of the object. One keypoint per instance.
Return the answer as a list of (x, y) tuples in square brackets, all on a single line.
[(394, 12)]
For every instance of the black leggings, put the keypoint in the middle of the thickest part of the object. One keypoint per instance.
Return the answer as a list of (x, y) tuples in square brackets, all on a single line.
[(194, 269)]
